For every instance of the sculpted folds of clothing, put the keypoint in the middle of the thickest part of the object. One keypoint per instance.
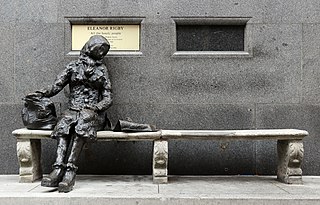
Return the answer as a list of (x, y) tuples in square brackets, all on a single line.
[(83, 122), (85, 88), (89, 88)]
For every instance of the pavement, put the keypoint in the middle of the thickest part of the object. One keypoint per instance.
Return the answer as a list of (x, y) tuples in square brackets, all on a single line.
[(140, 190)]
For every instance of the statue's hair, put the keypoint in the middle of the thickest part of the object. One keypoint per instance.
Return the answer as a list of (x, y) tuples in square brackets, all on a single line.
[(96, 39)]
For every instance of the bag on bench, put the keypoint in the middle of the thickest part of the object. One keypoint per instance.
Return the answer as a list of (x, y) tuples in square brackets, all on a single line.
[(38, 113)]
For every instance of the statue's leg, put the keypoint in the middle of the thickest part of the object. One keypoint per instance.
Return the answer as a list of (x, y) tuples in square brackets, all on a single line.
[(63, 144), (68, 181), (53, 179)]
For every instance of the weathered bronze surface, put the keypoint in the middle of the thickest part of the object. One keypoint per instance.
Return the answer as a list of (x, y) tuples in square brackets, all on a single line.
[(90, 97), (128, 126), (38, 112)]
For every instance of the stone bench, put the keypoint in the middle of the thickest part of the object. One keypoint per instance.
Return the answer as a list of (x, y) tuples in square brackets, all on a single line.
[(289, 146)]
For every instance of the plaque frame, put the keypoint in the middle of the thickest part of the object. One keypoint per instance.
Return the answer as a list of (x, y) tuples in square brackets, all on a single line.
[(69, 21)]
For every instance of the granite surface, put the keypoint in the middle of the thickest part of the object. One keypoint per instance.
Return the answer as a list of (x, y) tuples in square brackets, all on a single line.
[(276, 87)]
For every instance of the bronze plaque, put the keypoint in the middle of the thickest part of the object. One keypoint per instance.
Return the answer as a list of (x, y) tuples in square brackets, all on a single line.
[(120, 37)]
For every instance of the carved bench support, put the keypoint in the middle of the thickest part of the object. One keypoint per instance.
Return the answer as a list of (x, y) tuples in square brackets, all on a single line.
[(290, 156), (290, 148), (160, 161), (29, 156)]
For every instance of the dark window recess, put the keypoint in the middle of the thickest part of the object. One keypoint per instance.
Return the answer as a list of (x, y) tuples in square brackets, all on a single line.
[(210, 37)]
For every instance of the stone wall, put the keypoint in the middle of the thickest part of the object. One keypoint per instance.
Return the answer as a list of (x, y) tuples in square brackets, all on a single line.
[(278, 87)]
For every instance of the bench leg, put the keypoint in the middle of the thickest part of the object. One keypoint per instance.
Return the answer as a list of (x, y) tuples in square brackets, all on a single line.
[(29, 156), (290, 156), (160, 161)]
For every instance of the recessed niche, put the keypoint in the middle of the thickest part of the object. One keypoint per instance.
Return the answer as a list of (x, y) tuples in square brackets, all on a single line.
[(210, 37)]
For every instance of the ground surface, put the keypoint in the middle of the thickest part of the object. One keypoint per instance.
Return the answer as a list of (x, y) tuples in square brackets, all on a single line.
[(184, 190)]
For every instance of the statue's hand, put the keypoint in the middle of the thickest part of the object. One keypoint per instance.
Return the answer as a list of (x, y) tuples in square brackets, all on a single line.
[(37, 94), (34, 95), (42, 92), (91, 107)]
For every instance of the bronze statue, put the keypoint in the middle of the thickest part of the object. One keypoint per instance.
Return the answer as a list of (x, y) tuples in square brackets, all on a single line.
[(90, 97)]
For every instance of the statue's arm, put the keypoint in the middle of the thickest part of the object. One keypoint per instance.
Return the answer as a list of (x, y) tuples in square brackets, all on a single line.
[(106, 94), (60, 82)]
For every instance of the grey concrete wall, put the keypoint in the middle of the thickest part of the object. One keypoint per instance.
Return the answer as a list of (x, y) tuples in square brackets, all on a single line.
[(278, 87)]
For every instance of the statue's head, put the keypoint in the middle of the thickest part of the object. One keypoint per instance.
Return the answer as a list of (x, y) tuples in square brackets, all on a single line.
[(96, 47)]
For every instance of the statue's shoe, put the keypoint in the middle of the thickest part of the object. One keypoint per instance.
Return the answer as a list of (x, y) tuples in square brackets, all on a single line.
[(53, 179), (68, 181)]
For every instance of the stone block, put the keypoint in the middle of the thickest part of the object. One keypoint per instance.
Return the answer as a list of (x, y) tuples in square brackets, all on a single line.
[(310, 81), (39, 56), (266, 157), (211, 157), (36, 11), (131, 8), (253, 9), (311, 44), (300, 116), (10, 120), (138, 82), (7, 83), (117, 158), (283, 11), (7, 12), (311, 63), (247, 185), (310, 11), (82, 8)]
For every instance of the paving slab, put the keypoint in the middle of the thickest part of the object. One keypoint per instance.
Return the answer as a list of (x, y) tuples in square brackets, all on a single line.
[(140, 190)]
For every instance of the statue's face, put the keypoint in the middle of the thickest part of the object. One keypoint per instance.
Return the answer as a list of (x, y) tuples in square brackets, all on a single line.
[(97, 51)]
